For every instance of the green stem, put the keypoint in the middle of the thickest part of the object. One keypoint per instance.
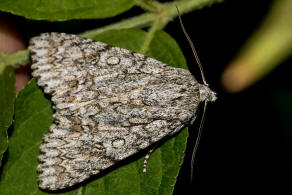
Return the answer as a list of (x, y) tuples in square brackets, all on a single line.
[(148, 5), (150, 36), (14, 60), (186, 6), (168, 12), (140, 21)]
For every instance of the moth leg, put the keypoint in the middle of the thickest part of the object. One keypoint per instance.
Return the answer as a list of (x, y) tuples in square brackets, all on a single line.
[(146, 159)]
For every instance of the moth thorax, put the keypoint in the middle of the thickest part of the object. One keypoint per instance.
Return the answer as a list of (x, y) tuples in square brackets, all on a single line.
[(206, 94)]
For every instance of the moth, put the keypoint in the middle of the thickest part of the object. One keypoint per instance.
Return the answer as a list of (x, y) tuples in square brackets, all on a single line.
[(109, 104)]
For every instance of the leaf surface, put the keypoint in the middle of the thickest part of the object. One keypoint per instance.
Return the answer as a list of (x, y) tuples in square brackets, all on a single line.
[(58, 10), (7, 96)]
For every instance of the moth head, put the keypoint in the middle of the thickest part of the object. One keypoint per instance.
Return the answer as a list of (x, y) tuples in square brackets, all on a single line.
[(206, 94)]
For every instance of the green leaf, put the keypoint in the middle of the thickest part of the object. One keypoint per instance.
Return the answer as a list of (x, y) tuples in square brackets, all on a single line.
[(57, 10), (33, 116), (7, 96)]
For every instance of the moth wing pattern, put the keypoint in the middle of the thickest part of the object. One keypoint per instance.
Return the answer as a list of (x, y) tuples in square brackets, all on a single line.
[(109, 104)]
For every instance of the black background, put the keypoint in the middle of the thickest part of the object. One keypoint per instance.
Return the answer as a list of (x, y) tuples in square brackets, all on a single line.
[(242, 149)]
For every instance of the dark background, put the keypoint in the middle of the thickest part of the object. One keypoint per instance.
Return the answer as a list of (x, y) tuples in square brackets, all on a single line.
[(245, 146)]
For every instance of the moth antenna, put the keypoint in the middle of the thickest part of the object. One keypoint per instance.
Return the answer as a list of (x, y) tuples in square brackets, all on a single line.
[(197, 141), (205, 104), (192, 46)]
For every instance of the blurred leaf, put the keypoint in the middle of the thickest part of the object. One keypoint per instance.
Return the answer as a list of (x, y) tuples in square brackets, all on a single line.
[(57, 10), (7, 97), (33, 116), (266, 48)]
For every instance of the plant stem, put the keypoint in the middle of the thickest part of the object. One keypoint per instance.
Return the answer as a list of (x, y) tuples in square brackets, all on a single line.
[(140, 21), (14, 60), (148, 5), (150, 36), (186, 6), (168, 13)]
